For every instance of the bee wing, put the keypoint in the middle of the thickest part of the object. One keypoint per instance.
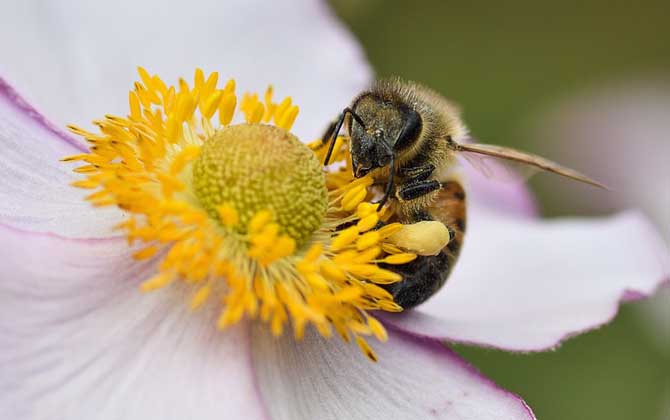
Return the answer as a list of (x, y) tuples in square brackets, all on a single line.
[(498, 169), (525, 159)]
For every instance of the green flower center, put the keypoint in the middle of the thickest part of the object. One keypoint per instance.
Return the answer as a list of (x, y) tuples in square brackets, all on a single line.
[(252, 167)]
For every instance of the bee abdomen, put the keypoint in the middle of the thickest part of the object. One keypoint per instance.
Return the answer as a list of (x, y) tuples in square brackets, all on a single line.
[(450, 209), (424, 276)]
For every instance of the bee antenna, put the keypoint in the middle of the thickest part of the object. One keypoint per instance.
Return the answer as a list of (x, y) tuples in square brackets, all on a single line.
[(389, 183), (336, 131)]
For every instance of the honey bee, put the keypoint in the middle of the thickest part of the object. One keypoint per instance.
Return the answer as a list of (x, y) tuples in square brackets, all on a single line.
[(407, 137)]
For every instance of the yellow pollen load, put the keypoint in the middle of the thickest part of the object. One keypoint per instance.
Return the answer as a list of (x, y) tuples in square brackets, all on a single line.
[(257, 255)]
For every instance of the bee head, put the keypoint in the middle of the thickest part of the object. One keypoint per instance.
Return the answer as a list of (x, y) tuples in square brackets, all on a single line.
[(379, 129), (369, 151)]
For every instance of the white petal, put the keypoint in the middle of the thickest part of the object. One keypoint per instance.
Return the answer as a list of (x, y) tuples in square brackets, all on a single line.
[(34, 185), (525, 285), (91, 52), (79, 341), (414, 379)]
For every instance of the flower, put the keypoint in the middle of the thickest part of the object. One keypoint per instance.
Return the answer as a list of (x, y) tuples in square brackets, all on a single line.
[(77, 340), (243, 211)]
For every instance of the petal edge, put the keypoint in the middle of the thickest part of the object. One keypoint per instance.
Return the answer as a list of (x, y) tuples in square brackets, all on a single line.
[(548, 301), (414, 378)]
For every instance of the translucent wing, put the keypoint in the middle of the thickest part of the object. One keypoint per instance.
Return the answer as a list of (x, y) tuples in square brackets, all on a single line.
[(520, 158), (498, 169)]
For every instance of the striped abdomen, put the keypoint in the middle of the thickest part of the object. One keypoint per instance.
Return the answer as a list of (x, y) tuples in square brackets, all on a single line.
[(424, 276)]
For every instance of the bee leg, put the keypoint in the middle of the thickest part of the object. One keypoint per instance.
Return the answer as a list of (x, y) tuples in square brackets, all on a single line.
[(336, 131), (417, 189), (417, 173), (328, 133), (425, 275)]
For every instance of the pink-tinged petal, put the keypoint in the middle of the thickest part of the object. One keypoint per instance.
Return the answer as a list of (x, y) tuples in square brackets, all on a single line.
[(14, 104), (414, 379), (91, 52), (34, 185), (507, 193), (79, 341), (526, 285)]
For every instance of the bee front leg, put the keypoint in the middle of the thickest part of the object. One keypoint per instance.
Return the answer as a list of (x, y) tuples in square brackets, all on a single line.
[(325, 137), (416, 182), (418, 189), (417, 173)]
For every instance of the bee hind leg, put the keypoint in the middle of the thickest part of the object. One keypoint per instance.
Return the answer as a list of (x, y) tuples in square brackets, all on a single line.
[(424, 276)]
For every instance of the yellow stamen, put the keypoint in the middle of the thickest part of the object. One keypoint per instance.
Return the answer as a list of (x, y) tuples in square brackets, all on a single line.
[(346, 237), (228, 214), (259, 221), (367, 240), (368, 222), (365, 348), (365, 209), (156, 282), (145, 253), (200, 297), (208, 224), (227, 108), (377, 329), (403, 258), (354, 197)]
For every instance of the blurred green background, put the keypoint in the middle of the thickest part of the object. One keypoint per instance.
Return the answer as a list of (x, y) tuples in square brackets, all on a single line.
[(506, 62)]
